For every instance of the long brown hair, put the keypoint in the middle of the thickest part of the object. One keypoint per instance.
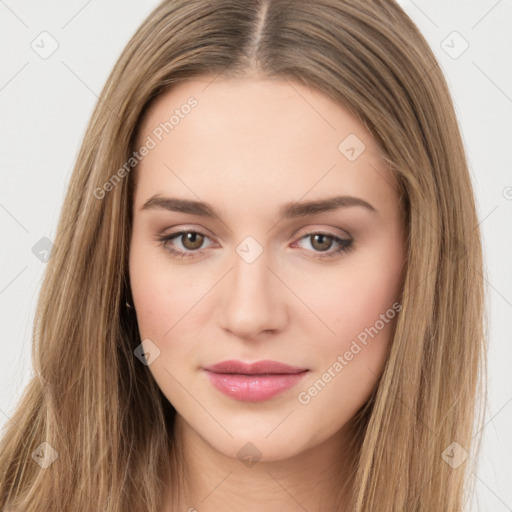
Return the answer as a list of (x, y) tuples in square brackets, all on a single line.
[(98, 407)]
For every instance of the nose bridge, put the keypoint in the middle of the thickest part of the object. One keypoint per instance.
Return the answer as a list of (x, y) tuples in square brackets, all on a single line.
[(251, 303), (250, 269)]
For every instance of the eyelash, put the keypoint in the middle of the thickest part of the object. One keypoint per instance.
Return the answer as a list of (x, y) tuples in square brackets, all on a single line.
[(346, 245)]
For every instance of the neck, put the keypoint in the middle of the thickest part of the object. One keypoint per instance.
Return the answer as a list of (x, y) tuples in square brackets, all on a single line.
[(316, 480)]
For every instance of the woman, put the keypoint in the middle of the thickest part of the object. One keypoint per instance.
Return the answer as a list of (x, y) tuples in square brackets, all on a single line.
[(266, 291)]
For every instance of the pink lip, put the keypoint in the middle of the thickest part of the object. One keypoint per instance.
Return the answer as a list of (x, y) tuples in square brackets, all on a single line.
[(254, 382)]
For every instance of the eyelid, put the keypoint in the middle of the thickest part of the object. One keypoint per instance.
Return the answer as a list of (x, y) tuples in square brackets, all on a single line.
[(169, 231), (345, 245), (175, 235), (331, 231), (300, 233)]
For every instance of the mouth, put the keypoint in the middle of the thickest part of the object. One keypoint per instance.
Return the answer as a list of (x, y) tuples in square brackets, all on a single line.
[(253, 382)]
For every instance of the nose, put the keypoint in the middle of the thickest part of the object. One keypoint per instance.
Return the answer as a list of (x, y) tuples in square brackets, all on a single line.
[(253, 299)]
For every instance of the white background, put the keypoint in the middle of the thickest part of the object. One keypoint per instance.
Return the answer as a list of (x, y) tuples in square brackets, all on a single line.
[(45, 105)]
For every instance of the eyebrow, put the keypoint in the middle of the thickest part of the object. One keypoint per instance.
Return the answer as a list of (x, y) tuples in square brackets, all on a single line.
[(288, 211)]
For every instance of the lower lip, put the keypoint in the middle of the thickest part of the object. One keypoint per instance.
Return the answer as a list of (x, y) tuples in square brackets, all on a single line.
[(253, 388)]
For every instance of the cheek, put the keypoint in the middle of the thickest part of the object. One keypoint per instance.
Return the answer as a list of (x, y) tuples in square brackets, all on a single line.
[(357, 300), (362, 311), (360, 307), (161, 301), (166, 299), (151, 284)]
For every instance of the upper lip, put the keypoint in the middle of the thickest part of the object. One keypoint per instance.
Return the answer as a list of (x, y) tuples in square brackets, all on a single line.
[(256, 368)]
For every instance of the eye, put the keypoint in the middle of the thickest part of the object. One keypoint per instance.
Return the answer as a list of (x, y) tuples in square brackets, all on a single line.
[(191, 242), (322, 242)]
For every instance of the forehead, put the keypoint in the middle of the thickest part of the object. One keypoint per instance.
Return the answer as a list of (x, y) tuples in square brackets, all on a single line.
[(266, 105), (261, 135)]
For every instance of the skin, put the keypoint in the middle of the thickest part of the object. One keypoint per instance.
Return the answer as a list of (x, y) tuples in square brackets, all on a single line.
[(248, 147)]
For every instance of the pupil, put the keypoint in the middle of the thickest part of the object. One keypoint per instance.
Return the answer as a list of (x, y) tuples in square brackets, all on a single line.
[(192, 238), (320, 237)]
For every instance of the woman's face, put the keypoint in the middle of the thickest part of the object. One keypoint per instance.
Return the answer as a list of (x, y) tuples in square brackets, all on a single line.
[(275, 268)]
